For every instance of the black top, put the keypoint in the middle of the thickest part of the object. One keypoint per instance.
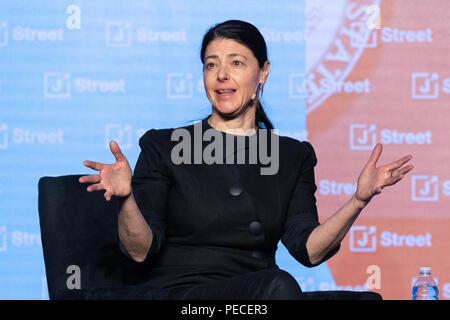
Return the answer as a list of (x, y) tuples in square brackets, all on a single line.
[(213, 221)]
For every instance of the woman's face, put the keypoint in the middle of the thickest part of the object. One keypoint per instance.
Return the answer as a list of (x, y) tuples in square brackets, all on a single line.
[(231, 75)]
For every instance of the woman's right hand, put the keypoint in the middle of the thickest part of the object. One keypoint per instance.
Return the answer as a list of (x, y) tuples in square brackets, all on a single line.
[(114, 178)]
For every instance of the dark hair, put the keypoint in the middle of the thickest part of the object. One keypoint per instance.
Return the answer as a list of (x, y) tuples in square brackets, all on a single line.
[(249, 36)]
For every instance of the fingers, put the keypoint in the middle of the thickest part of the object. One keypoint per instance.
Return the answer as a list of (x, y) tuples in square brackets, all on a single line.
[(116, 151), (108, 195), (405, 170), (400, 173), (98, 187), (395, 176), (95, 187), (399, 163), (376, 153), (93, 165), (93, 178)]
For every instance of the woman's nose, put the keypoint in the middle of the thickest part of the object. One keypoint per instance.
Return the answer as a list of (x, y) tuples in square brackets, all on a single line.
[(222, 74)]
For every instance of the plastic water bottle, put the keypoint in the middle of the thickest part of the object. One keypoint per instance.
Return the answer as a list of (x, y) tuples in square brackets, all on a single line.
[(425, 287)]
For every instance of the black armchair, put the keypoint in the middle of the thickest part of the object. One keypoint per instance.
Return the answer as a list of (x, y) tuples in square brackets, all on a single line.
[(83, 259), (82, 256)]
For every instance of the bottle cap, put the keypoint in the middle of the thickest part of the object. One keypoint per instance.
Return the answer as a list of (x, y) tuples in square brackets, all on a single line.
[(425, 270)]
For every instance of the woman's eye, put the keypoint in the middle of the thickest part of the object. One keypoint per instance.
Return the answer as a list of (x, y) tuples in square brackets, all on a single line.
[(209, 65), (237, 63)]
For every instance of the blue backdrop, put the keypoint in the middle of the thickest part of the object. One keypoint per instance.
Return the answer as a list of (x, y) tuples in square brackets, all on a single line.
[(76, 74)]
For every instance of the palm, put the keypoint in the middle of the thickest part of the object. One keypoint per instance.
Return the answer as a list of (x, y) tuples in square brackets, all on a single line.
[(114, 178), (373, 179)]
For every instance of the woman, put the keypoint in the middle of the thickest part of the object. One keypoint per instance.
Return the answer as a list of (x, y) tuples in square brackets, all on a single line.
[(211, 231)]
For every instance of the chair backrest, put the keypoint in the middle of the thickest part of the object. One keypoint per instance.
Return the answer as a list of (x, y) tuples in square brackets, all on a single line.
[(80, 238)]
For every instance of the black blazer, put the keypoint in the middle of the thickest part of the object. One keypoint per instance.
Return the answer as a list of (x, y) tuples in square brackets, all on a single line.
[(213, 221)]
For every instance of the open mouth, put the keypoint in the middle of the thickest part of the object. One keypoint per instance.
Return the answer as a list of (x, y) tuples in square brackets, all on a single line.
[(225, 93)]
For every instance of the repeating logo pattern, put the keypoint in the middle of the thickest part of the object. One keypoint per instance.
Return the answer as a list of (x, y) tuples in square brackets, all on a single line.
[(361, 72), (396, 94)]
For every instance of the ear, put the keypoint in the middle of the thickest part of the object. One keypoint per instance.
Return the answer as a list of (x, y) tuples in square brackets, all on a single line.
[(264, 72)]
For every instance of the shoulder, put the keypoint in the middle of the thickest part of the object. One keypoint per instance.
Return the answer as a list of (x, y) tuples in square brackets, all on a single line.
[(160, 137), (296, 147), (292, 143), (295, 154), (156, 136)]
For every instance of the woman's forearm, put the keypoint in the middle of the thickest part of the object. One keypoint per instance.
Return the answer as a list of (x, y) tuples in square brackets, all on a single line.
[(134, 232), (371, 182), (329, 234)]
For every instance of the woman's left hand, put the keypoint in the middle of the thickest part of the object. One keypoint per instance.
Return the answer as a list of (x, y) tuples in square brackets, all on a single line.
[(372, 180)]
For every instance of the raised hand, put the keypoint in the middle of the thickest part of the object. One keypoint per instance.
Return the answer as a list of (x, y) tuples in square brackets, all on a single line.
[(114, 178), (373, 179)]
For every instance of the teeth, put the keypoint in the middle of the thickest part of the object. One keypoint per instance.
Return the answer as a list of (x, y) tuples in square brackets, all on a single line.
[(225, 91)]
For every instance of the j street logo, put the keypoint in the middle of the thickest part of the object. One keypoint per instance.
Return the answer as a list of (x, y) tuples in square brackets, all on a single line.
[(366, 239), (337, 33), (298, 86), (124, 134), (122, 34), (18, 238), (183, 86), (118, 34), (331, 187), (427, 188), (3, 33), (426, 85), (3, 239), (120, 133), (3, 136), (27, 34), (59, 85), (27, 136), (363, 239), (56, 85), (365, 137)]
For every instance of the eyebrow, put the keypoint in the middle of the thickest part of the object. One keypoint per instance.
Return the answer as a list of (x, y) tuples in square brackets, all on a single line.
[(230, 55)]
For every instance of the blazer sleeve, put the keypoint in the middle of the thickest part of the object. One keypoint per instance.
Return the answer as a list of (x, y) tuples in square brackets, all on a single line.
[(302, 217), (150, 185)]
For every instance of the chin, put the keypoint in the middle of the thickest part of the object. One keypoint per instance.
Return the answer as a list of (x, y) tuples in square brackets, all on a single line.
[(226, 109)]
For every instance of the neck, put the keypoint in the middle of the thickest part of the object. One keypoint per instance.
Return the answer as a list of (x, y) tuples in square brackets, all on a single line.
[(241, 125)]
